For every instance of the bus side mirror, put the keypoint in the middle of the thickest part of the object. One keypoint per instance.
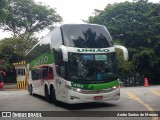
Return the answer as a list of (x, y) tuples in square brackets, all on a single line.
[(64, 53), (125, 51)]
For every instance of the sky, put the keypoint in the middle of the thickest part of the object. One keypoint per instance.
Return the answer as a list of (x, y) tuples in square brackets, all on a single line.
[(74, 11)]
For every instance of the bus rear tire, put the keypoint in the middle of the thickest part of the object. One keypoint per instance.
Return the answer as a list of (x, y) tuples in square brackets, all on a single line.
[(47, 96), (53, 96)]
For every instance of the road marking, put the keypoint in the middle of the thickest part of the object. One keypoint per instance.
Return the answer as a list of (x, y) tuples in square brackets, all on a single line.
[(149, 108), (155, 92)]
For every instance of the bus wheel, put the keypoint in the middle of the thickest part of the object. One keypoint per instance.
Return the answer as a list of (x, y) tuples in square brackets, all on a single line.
[(47, 96), (30, 90), (53, 96)]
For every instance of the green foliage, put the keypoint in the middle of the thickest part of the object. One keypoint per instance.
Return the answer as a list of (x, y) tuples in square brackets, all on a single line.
[(131, 22), (14, 49), (2, 7), (137, 26), (25, 16), (22, 18), (145, 60), (124, 66)]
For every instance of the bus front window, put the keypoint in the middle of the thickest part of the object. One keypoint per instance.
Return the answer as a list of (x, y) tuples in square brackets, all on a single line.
[(86, 36), (92, 67)]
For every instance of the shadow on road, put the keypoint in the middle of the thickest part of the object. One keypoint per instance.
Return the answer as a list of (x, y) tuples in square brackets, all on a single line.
[(80, 106), (85, 106)]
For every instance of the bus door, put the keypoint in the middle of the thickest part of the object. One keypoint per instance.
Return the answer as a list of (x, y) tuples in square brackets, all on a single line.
[(61, 73), (61, 82)]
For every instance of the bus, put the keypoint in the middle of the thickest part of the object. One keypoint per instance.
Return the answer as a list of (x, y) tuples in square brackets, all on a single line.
[(75, 63)]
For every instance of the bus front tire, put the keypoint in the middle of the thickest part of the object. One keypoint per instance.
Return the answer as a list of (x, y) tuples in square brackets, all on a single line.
[(30, 90)]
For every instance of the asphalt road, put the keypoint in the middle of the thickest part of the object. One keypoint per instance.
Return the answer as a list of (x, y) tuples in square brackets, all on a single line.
[(132, 99)]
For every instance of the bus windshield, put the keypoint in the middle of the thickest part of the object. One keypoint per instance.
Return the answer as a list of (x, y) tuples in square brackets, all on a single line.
[(94, 68), (86, 36)]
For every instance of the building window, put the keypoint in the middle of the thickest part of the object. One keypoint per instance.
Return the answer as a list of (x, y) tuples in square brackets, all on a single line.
[(20, 72)]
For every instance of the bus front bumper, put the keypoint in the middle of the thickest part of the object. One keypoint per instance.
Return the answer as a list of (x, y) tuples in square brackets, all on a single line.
[(74, 97)]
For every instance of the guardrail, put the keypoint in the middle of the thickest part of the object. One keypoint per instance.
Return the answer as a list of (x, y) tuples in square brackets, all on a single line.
[(132, 80)]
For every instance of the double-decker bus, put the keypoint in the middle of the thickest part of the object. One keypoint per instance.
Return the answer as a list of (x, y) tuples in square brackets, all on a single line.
[(74, 63)]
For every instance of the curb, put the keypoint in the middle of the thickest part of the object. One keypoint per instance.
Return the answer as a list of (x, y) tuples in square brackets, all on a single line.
[(8, 89), (11, 89)]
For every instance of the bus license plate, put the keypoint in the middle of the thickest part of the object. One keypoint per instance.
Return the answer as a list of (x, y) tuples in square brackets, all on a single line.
[(98, 97)]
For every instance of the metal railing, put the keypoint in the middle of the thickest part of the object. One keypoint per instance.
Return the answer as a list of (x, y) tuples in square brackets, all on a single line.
[(132, 80)]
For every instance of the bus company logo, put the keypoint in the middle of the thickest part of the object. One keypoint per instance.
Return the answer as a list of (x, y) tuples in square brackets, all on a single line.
[(77, 85), (6, 114), (21, 114), (42, 60), (92, 50)]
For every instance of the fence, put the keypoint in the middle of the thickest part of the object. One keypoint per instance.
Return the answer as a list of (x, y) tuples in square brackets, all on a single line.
[(132, 80)]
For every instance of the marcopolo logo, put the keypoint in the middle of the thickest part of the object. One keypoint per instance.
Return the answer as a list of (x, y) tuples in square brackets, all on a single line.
[(92, 50)]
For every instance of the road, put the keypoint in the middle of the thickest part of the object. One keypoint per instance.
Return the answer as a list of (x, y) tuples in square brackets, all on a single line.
[(132, 99)]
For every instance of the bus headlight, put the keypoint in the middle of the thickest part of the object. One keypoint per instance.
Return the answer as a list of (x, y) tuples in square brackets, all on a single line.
[(114, 87), (78, 90), (72, 88)]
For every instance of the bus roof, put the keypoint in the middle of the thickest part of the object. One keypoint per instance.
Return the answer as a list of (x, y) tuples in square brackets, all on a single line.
[(62, 25)]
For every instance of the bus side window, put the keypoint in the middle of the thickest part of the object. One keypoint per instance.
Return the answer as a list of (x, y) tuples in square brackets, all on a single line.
[(59, 63), (36, 74), (62, 71), (47, 73), (50, 73), (44, 72)]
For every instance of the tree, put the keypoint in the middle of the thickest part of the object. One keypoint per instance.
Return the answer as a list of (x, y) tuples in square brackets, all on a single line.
[(137, 25), (131, 22), (25, 16), (14, 49), (2, 6), (126, 67)]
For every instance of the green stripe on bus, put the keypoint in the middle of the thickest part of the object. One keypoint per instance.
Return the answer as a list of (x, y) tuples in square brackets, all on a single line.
[(46, 58), (95, 86)]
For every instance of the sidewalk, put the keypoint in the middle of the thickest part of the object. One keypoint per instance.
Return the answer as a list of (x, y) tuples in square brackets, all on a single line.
[(9, 86)]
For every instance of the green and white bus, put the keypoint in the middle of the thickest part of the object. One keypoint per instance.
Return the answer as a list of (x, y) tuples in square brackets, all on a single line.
[(75, 63)]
